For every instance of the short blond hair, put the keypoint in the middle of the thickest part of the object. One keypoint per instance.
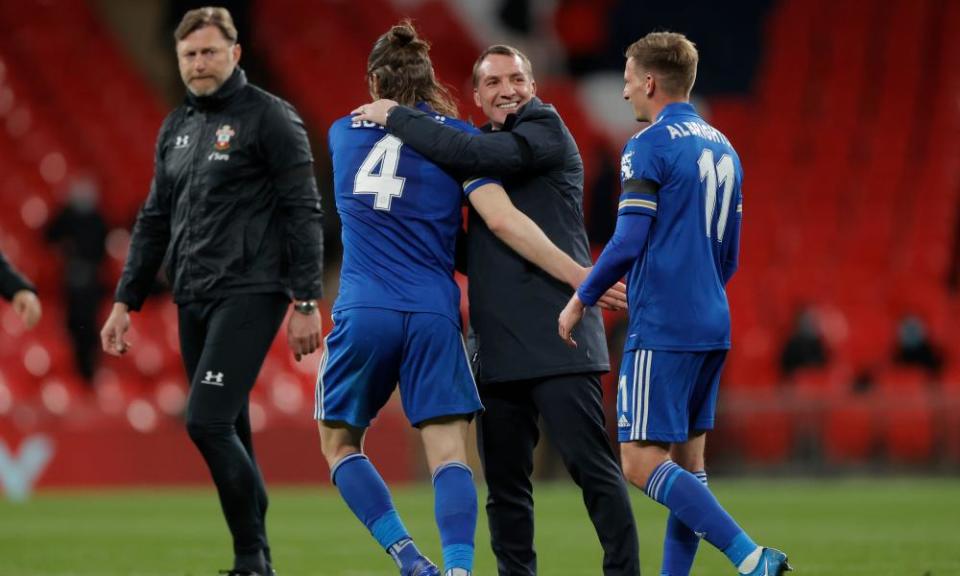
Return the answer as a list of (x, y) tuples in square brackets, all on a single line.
[(672, 56)]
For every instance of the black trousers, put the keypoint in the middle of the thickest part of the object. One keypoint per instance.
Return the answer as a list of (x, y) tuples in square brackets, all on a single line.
[(224, 343), (572, 410)]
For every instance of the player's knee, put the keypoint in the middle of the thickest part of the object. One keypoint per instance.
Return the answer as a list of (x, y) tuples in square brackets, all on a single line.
[(444, 442), (638, 465), (338, 440), (689, 463), (636, 472)]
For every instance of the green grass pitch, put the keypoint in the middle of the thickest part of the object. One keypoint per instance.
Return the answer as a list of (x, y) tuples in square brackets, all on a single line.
[(847, 527)]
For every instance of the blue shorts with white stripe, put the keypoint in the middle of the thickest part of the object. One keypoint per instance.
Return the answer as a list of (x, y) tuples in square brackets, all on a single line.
[(663, 396), (372, 351)]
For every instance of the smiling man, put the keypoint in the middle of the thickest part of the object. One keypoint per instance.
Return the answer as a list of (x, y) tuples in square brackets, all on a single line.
[(234, 206), (523, 372)]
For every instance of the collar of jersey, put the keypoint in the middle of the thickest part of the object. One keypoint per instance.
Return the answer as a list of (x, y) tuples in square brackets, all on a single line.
[(423, 106), (234, 83), (676, 109)]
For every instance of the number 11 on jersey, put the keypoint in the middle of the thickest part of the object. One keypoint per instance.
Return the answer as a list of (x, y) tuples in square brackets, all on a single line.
[(713, 175)]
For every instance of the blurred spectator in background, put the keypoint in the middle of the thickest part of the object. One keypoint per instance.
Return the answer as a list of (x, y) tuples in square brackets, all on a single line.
[(19, 291), (914, 348), (804, 347), (80, 232), (603, 194)]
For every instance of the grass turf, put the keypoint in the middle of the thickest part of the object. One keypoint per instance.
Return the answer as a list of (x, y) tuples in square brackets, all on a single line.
[(849, 527)]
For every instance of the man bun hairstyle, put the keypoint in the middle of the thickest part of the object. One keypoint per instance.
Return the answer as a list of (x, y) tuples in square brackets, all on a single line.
[(671, 56), (203, 17), (400, 67)]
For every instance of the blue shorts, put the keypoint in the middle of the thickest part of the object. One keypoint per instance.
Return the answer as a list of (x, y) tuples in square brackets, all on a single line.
[(371, 350), (663, 396)]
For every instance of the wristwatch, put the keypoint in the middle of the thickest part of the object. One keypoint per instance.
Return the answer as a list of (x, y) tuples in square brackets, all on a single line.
[(305, 307)]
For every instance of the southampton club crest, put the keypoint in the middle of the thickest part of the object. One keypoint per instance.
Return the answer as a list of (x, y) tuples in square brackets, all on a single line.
[(224, 134)]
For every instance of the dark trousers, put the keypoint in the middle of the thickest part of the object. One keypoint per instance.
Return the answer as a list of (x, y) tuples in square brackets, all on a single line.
[(224, 343), (572, 410)]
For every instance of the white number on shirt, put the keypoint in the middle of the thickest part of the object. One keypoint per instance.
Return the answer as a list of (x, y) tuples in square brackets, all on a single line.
[(713, 175), (386, 184)]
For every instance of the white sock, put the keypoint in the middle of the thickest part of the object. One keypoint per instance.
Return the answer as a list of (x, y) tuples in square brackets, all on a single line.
[(749, 563), (456, 572)]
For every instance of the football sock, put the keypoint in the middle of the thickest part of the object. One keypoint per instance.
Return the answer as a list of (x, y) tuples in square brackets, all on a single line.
[(368, 497), (697, 507), (455, 510), (680, 543)]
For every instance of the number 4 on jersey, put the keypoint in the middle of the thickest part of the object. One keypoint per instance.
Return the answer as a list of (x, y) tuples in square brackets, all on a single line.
[(713, 176), (385, 185)]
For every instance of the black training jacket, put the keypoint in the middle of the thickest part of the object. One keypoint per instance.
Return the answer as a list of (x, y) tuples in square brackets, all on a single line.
[(514, 305), (12, 281), (234, 204)]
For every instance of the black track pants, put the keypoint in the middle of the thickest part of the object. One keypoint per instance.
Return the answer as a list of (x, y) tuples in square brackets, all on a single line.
[(224, 343)]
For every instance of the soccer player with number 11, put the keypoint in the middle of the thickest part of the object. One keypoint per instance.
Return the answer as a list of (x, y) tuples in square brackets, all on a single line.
[(678, 235)]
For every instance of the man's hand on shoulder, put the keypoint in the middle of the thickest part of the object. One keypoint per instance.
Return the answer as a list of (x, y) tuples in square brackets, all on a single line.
[(374, 112)]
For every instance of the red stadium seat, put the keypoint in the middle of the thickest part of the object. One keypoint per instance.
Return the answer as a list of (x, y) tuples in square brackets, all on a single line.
[(850, 431), (907, 425)]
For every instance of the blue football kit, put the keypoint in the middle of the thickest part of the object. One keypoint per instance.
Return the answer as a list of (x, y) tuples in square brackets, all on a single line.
[(678, 234), (396, 318), (678, 231)]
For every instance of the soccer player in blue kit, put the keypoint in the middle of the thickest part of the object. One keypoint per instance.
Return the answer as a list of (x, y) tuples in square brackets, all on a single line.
[(396, 319), (678, 235)]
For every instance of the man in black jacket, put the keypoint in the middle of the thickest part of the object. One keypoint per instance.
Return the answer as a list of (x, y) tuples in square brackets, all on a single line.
[(234, 206), (20, 292), (522, 371)]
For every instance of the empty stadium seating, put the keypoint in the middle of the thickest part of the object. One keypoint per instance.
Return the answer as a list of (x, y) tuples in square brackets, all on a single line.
[(852, 184)]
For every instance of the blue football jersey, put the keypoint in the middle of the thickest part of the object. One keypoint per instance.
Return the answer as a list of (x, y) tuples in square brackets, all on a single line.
[(400, 214), (685, 174)]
